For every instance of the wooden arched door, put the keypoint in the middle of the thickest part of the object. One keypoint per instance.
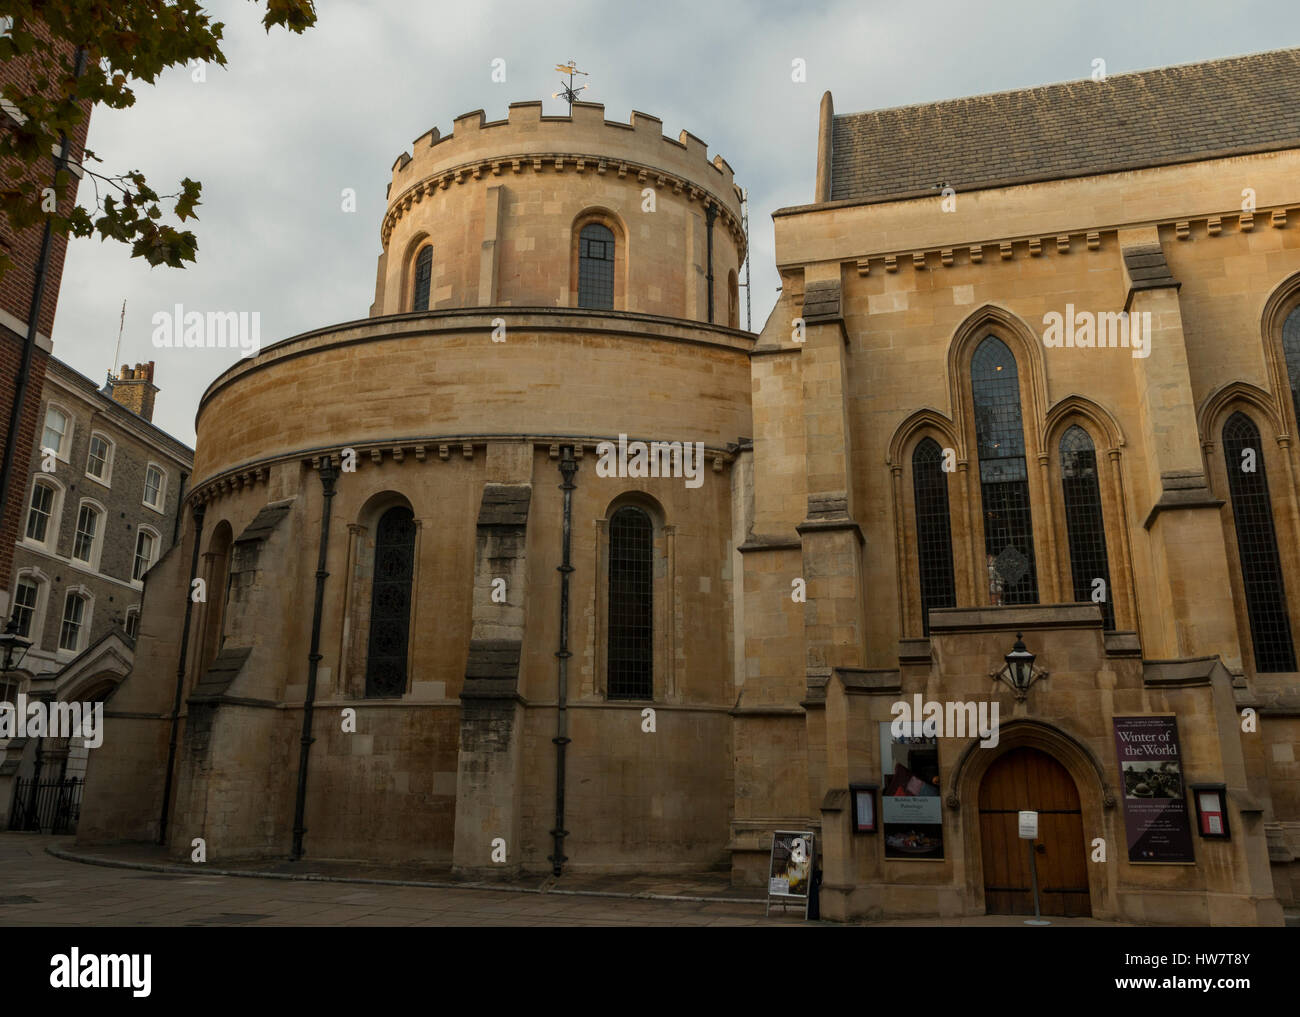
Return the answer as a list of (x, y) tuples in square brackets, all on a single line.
[(1027, 779)]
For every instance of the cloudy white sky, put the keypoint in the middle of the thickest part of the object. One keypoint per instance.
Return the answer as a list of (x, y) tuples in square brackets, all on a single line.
[(293, 120)]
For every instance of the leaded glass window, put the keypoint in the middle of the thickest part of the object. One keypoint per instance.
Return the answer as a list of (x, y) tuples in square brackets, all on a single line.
[(1084, 524), (596, 267), (423, 279), (933, 532), (1261, 569), (390, 603), (631, 604), (1004, 476)]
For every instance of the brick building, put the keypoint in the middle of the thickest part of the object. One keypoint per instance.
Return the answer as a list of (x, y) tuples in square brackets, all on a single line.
[(18, 286), (916, 490), (98, 511)]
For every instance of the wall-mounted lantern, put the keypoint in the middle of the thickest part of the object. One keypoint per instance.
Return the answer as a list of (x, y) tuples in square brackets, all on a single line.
[(1019, 671)]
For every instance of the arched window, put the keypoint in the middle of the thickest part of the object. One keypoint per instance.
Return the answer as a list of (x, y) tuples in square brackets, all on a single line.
[(1004, 477), (41, 514), (933, 535), (631, 604), (596, 267), (89, 536), (24, 611), (76, 621), (390, 603), (1291, 350), (1261, 570), (1083, 520), (423, 280)]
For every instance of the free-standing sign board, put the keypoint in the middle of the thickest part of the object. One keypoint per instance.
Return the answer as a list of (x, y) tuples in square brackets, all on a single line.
[(1155, 801), (791, 869)]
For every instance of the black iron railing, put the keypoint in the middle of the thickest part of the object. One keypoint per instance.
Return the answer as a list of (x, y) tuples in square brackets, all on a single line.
[(48, 807)]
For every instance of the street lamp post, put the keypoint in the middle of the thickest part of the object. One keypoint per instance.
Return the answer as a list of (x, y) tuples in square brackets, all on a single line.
[(13, 648)]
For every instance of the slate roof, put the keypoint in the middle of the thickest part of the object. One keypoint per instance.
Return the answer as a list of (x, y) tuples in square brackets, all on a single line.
[(1079, 128)]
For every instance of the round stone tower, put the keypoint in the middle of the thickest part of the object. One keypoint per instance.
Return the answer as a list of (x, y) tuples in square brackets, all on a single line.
[(547, 285)]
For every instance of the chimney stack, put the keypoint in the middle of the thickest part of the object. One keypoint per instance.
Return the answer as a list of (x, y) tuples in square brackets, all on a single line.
[(134, 389)]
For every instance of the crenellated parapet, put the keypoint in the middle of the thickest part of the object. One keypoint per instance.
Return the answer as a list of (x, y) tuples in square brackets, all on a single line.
[(582, 143)]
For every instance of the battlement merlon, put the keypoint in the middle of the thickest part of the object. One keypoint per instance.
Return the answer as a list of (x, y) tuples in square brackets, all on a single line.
[(526, 133)]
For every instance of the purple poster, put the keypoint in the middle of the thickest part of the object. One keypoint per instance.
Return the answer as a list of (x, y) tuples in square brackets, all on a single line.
[(1155, 800)]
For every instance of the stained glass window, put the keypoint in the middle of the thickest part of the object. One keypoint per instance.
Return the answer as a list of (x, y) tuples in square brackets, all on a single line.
[(631, 603), (1261, 569), (1004, 477), (933, 532), (390, 603)]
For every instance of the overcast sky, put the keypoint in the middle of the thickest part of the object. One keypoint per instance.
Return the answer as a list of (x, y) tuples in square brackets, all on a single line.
[(293, 120)]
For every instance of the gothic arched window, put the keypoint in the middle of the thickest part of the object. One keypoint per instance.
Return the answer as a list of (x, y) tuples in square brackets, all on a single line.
[(1261, 570), (423, 279), (1291, 350), (1004, 476), (596, 267), (631, 604), (933, 533), (1083, 520), (390, 603)]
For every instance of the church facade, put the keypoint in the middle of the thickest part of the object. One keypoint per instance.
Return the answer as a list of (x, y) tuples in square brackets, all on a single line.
[(546, 565)]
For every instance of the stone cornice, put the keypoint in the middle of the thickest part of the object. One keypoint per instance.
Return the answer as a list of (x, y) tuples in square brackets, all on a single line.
[(560, 162), (1207, 225), (425, 449)]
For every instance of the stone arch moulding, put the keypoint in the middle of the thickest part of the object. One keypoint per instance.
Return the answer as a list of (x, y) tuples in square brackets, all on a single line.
[(915, 426), (1025, 345), (1021, 732), (413, 248), (1074, 407), (1284, 299), (1232, 396)]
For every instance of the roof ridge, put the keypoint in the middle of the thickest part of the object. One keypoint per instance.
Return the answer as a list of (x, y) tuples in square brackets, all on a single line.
[(1292, 51)]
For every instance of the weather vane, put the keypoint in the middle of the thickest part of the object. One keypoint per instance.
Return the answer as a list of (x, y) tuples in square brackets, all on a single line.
[(568, 91)]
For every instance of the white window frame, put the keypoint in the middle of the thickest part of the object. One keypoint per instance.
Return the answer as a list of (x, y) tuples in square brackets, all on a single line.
[(97, 543), (87, 617), (107, 479), (162, 488), (64, 453), (51, 541), (42, 583), (153, 559), (132, 612)]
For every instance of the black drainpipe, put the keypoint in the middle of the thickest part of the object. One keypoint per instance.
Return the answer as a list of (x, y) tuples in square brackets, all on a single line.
[(199, 511), (710, 213), (328, 474), (180, 507), (568, 467)]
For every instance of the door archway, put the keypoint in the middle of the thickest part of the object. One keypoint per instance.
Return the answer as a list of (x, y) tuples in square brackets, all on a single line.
[(1029, 779)]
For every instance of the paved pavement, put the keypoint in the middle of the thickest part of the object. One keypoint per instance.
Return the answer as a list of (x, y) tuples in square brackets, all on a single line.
[(39, 889)]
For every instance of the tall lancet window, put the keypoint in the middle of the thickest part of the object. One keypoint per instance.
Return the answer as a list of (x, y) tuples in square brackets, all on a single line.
[(1261, 569), (933, 534), (1004, 476), (631, 604), (596, 267), (390, 603), (423, 280), (1083, 521), (1291, 349)]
